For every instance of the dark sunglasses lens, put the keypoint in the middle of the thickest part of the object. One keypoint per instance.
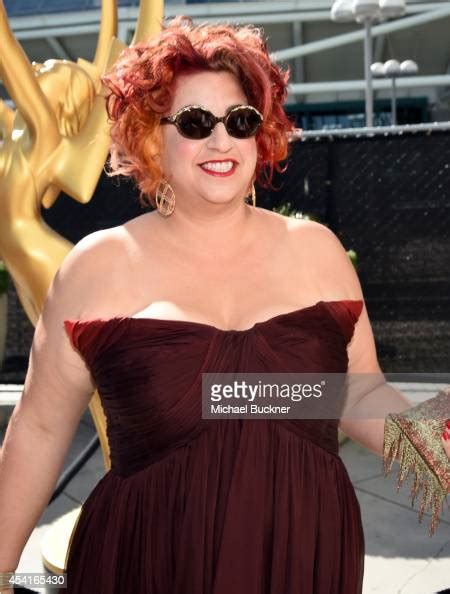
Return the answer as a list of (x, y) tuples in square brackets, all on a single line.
[(195, 123), (243, 122)]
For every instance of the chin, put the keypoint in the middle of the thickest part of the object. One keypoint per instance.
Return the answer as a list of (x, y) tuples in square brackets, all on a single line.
[(222, 199)]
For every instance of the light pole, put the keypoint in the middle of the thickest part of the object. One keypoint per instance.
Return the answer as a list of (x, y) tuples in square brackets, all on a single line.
[(393, 69), (367, 12)]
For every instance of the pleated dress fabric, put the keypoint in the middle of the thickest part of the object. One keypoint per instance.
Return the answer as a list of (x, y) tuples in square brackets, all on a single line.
[(215, 506)]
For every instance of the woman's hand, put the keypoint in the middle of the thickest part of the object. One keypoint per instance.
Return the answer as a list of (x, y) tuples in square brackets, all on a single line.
[(445, 439)]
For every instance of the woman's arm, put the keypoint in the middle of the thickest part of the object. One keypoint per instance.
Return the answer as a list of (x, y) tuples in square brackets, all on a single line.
[(31, 461), (58, 388), (369, 397)]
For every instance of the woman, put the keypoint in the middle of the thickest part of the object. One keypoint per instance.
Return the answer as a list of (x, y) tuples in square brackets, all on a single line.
[(204, 283)]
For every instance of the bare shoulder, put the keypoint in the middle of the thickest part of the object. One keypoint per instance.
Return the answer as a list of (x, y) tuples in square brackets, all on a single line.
[(335, 272), (295, 227), (102, 242), (303, 233), (95, 252), (326, 269), (309, 230), (276, 224), (121, 237), (92, 272)]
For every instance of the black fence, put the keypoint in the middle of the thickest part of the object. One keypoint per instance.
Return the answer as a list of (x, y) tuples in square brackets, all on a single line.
[(385, 195)]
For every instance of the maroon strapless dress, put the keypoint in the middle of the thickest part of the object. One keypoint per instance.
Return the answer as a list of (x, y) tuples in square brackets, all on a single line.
[(215, 506)]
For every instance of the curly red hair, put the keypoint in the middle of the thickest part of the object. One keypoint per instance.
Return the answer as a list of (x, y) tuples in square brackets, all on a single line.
[(141, 87)]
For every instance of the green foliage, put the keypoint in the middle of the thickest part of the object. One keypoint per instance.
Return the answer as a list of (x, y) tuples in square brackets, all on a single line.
[(288, 210), (353, 257)]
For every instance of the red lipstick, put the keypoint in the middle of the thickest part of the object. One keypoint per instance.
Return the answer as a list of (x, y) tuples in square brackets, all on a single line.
[(219, 173)]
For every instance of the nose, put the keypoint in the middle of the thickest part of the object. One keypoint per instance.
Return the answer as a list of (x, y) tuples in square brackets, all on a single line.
[(219, 138)]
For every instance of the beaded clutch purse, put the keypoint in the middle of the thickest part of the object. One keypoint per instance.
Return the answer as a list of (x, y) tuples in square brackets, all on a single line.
[(414, 438)]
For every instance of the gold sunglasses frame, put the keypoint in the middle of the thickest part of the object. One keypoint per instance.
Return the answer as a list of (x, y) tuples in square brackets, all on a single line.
[(173, 119)]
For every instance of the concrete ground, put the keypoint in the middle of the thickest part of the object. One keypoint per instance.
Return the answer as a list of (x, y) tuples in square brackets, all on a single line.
[(400, 556)]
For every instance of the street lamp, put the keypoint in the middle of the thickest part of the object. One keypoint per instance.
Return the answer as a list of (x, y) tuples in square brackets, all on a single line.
[(367, 12), (393, 69)]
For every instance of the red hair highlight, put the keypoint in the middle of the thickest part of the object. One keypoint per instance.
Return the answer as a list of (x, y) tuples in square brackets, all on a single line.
[(141, 87)]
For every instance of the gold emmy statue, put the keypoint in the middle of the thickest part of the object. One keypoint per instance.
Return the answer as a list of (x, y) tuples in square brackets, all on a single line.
[(41, 143)]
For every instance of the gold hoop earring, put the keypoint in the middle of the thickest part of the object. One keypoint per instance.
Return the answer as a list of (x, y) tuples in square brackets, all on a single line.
[(165, 198), (252, 195)]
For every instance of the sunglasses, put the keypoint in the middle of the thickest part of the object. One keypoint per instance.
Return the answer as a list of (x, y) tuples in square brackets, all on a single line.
[(195, 122)]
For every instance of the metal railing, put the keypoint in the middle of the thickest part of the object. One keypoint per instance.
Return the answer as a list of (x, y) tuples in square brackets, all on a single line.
[(35, 7), (374, 131)]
